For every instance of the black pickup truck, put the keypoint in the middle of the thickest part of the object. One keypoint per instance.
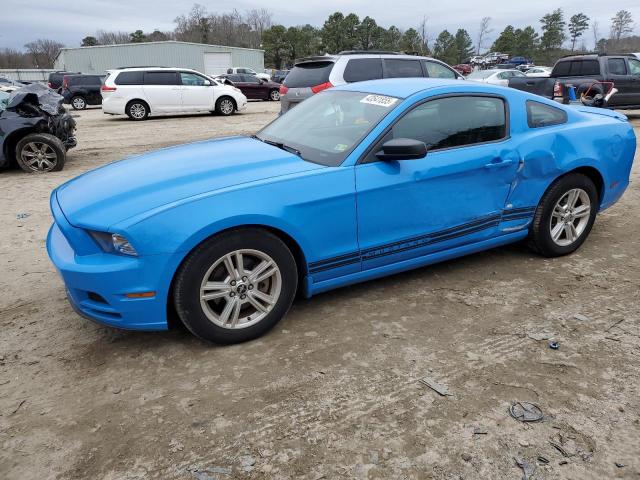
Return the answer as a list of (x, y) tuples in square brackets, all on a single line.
[(582, 71)]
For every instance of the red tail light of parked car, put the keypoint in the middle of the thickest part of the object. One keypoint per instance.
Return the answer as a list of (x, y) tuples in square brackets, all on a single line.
[(105, 88), (283, 90)]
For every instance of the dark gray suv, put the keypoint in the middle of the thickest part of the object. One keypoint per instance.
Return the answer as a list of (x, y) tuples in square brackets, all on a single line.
[(314, 74)]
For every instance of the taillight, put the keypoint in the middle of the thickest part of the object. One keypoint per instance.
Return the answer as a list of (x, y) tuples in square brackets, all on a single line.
[(322, 86), (283, 90), (65, 82), (557, 89), (50, 85), (106, 88)]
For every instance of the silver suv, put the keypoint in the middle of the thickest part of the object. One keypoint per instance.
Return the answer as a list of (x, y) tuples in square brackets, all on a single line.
[(314, 74)]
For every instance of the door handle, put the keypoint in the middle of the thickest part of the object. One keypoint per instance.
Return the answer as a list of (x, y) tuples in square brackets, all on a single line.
[(499, 163)]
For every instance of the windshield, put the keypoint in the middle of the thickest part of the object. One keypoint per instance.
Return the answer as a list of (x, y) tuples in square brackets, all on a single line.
[(325, 128), (481, 74), (4, 99)]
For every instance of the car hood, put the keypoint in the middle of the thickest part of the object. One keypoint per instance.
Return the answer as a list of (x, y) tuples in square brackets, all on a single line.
[(130, 187)]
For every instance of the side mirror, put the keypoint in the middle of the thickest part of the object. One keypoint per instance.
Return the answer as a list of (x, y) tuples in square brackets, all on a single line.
[(207, 83), (402, 149)]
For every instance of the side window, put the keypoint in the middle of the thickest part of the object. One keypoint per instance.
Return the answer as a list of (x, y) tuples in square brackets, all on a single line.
[(191, 79), (575, 68), (396, 68), (360, 69), (503, 75), (129, 78), (590, 67), (541, 115), (634, 66), (437, 70), (160, 78), (250, 79), (617, 66), (561, 69), (451, 122)]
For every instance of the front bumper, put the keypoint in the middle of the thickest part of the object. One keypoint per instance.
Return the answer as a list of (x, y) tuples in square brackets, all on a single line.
[(97, 282)]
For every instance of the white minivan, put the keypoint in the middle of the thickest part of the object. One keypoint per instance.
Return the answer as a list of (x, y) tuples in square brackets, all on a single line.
[(140, 92)]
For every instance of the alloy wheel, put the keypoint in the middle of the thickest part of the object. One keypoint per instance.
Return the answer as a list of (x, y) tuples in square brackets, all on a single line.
[(137, 110), (275, 95), (240, 289), (570, 217), (39, 156), (226, 106), (78, 103)]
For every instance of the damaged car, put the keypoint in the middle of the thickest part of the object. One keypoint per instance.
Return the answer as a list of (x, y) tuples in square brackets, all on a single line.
[(35, 130)]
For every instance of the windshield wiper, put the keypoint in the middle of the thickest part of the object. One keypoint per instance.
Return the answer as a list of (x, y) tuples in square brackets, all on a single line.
[(280, 145)]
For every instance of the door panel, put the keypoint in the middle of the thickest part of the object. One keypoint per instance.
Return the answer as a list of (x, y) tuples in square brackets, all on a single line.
[(196, 96), (163, 91), (451, 197)]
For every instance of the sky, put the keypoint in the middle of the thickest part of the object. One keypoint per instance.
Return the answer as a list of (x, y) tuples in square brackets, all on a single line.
[(68, 21)]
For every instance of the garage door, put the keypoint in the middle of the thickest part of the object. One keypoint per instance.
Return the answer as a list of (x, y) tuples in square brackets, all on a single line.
[(216, 63)]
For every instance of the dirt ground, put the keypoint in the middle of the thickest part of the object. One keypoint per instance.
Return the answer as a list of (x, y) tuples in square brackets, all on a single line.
[(333, 391)]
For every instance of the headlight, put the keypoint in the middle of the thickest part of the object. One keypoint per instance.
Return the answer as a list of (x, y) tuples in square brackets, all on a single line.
[(113, 243)]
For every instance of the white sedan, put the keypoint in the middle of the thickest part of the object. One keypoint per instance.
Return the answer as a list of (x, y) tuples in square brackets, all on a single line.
[(539, 72), (495, 77)]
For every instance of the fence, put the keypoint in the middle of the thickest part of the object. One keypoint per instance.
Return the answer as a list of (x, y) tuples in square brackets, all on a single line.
[(26, 74)]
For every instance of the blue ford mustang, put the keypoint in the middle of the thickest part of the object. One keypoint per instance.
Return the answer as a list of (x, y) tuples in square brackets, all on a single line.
[(357, 182)]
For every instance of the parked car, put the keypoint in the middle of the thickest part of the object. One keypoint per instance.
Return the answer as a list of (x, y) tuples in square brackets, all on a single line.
[(255, 88), (395, 174), (82, 90), (516, 61), (504, 66), (35, 130), (56, 78), (463, 68), (494, 76), (538, 72), (314, 74), (248, 71), (584, 72), (144, 91), (279, 75)]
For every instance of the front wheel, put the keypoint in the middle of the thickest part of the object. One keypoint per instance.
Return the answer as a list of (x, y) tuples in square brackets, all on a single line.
[(236, 286), (225, 106), (40, 153), (565, 216)]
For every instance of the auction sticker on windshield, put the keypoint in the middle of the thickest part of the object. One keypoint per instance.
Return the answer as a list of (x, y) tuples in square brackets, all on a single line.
[(379, 100)]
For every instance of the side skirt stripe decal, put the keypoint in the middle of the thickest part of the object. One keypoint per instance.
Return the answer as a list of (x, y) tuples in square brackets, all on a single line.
[(421, 240)]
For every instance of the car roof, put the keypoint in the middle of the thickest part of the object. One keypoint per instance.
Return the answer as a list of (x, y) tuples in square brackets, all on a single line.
[(155, 69), (355, 54), (398, 87)]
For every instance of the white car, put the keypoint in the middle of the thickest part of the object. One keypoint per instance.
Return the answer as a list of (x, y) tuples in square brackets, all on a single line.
[(539, 72), (248, 71), (495, 77), (140, 92)]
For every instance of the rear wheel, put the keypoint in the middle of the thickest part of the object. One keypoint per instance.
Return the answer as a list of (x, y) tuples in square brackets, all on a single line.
[(225, 106), (78, 103), (274, 95), (137, 110), (235, 286), (565, 216), (40, 153)]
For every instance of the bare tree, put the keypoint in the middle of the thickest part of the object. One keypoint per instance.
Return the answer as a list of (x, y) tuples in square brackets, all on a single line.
[(12, 58), (483, 33), (112, 38), (424, 38), (596, 34), (621, 25), (259, 20), (43, 52)]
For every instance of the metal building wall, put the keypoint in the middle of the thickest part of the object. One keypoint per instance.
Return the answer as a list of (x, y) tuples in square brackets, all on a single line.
[(162, 54)]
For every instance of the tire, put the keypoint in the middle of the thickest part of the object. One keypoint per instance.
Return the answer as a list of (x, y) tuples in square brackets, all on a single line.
[(78, 103), (225, 106), (274, 95), (548, 236), (40, 153), (137, 110), (218, 319)]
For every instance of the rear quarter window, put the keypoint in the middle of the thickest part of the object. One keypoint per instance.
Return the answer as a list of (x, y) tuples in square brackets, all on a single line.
[(360, 69), (129, 78), (309, 74), (542, 115), (397, 68)]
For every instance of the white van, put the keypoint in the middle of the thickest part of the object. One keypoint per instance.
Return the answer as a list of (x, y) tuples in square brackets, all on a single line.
[(140, 92)]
